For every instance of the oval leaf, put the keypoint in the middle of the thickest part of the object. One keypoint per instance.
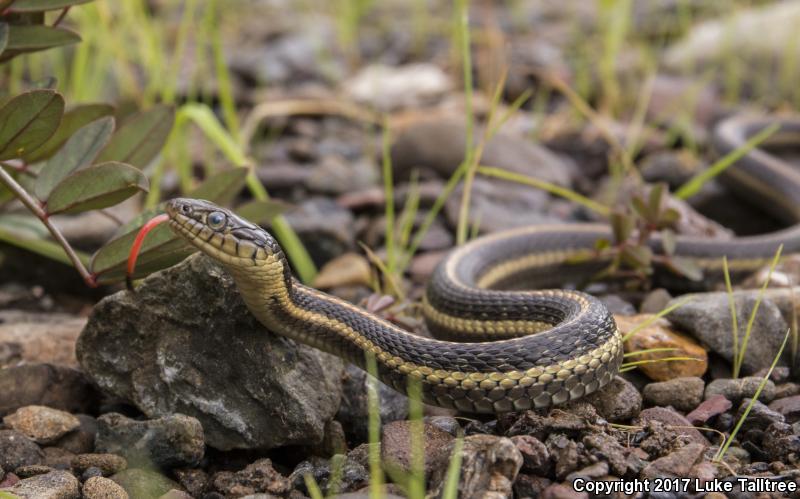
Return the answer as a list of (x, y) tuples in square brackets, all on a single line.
[(79, 151), (141, 137), (73, 120), (28, 120), (42, 5), (3, 36), (96, 187), (161, 249), (38, 37), (221, 187)]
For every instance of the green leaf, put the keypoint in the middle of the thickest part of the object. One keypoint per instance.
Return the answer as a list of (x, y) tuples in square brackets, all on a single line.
[(161, 249), (602, 244), (221, 188), (78, 152), (637, 257), (8, 495), (37, 37), (96, 187), (668, 218), (28, 120), (656, 201), (685, 267), (3, 37), (28, 232), (262, 212), (73, 120), (141, 137), (623, 225), (640, 208), (42, 5), (580, 256)]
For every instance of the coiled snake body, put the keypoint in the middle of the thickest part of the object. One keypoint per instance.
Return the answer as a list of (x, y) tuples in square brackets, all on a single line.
[(517, 349)]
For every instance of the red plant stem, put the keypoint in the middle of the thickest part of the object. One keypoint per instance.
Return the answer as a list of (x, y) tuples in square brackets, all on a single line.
[(137, 246)]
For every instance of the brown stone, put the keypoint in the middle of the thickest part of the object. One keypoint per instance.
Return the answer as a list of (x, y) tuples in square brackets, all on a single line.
[(660, 335), (42, 424)]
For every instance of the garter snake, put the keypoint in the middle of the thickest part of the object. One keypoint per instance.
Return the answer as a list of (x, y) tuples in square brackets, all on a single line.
[(518, 349)]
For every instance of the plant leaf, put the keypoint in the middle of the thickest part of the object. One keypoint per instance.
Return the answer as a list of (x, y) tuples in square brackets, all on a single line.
[(161, 249), (623, 225), (685, 267), (656, 201), (42, 5), (37, 37), (28, 233), (28, 120), (78, 152), (221, 187), (141, 137), (3, 37), (262, 212), (73, 120), (638, 257), (96, 187)]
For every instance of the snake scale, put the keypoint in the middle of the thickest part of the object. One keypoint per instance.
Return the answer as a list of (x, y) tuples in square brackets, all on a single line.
[(498, 347)]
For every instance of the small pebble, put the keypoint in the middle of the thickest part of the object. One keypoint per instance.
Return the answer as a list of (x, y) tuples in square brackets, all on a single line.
[(684, 394), (97, 487), (737, 389)]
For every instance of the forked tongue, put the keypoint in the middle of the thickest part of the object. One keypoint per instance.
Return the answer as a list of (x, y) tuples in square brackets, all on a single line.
[(137, 246)]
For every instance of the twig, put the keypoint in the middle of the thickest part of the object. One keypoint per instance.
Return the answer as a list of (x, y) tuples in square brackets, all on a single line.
[(33, 205), (61, 16)]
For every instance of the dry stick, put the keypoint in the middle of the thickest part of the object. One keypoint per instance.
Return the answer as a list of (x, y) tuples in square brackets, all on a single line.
[(36, 209)]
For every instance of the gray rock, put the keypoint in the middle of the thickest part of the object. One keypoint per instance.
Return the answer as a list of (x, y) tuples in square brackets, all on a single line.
[(32, 470), (535, 458), (80, 440), (256, 477), (607, 449), (497, 205), (143, 483), (98, 487), (759, 417), (54, 485), (324, 227), (489, 466), (343, 472), (396, 452), (683, 394), (193, 480), (655, 301), (672, 420), (18, 450), (335, 175), (789, 407), (58, 458), (43, 424), (186, 343), (54, 386), (677, 464), (707, 317), (737, 389), (175, 440), (618, 401), (108, 464), (438, 144), (353, 413)]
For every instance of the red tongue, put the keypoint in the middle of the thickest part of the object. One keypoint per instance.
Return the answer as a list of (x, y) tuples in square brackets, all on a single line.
[(137, 245)]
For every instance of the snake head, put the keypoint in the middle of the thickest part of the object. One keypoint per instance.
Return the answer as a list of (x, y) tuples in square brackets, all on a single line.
[(221, 234)]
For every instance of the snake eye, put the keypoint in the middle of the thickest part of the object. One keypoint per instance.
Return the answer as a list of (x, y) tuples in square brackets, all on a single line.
[(216, 220)]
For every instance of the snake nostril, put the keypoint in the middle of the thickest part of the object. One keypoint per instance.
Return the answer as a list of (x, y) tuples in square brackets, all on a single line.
[(186, 209)]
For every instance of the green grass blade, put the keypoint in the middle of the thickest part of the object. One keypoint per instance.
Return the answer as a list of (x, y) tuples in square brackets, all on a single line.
[(740, 359), (694, 184), (453, 471), (734, 317), (556, 190), (722, 450), (374, 429), (657, 316)]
